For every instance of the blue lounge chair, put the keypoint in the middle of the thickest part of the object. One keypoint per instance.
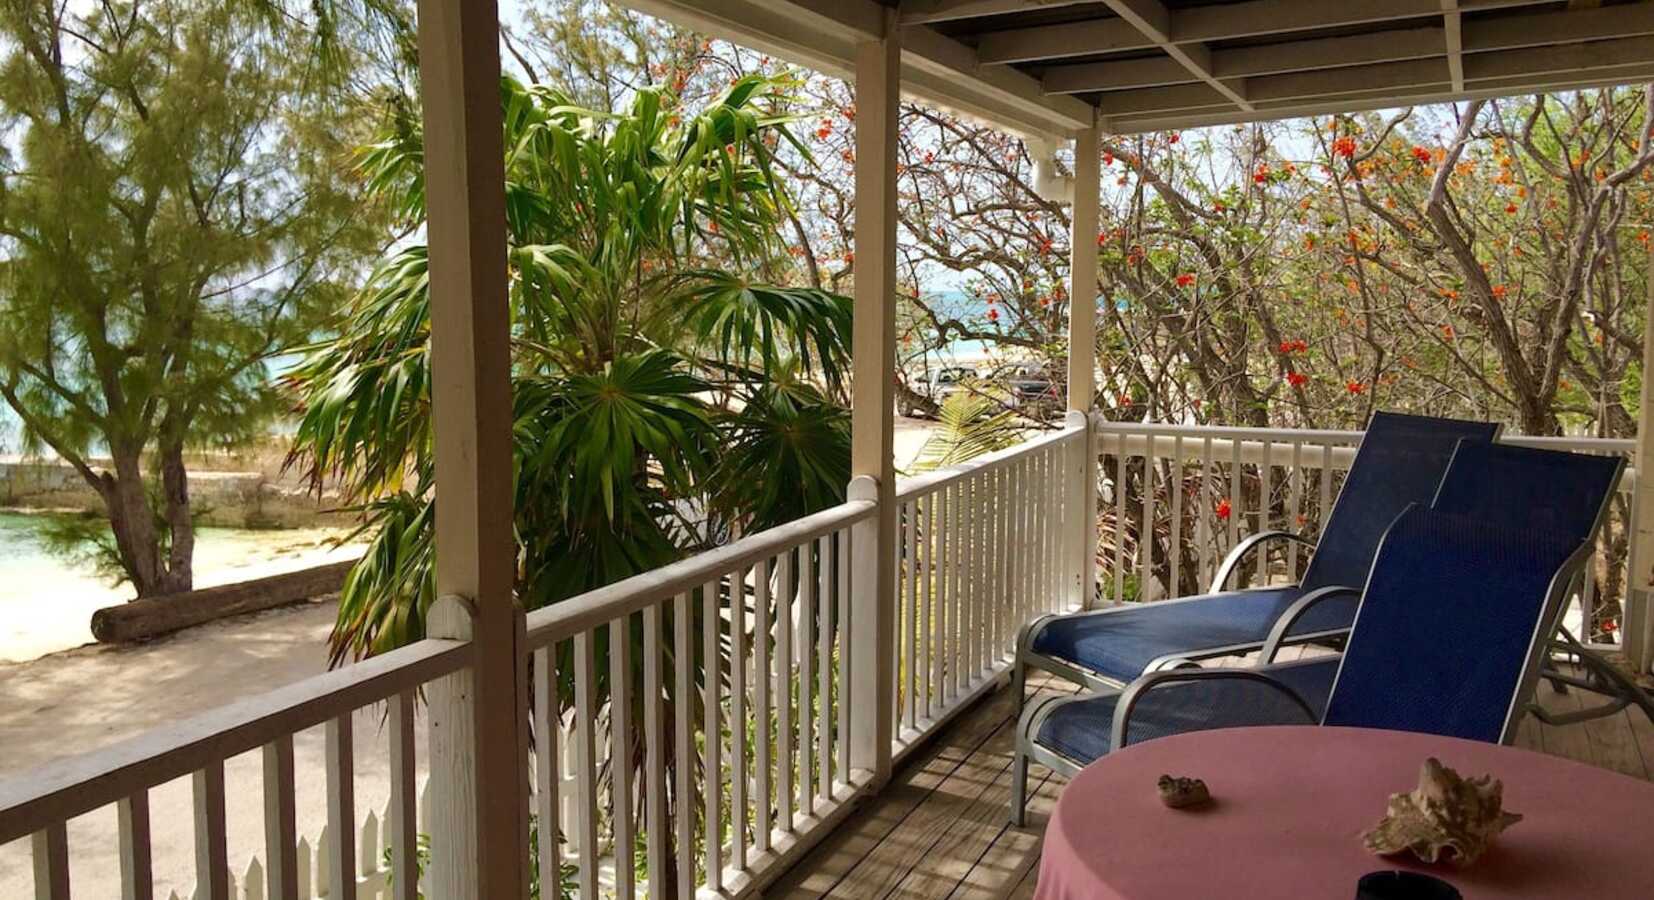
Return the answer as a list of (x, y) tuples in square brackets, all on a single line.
[(1399, 670), (1553, 498), (1400, 461)]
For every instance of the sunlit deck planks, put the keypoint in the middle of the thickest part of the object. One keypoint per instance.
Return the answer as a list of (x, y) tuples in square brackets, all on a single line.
[(940, 830)]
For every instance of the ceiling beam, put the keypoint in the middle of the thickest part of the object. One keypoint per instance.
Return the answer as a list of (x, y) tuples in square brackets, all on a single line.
[(920, 12), (1477, 37), (1541, 29), (1451, 28), (1382, 99), (946, 72), (1246, 62), (1115, 75), (1057, 41), (1235, 20), (1562, 67), (1154, 20), (1204, 24)]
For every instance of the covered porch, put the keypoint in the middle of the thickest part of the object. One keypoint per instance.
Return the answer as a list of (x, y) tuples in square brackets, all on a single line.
[(820, 703)]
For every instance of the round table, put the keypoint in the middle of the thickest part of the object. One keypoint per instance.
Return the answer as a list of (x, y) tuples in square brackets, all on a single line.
[(1290, 805)]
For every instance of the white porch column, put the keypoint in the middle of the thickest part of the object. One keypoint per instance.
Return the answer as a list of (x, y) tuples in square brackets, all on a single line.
[(1082, 361), (480, 846), (1639, 624), (873, 616)]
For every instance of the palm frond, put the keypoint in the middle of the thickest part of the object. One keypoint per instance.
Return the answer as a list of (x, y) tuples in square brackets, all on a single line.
[(969, 425)]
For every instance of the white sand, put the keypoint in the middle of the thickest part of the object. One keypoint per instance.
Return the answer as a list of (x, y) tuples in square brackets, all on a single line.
[(82, 699), (46, 603)]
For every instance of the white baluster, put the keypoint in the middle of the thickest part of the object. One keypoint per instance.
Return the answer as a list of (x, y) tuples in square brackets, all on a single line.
[(711, 765), (132, 817), (280, 819), (341, 807), (401, 828), (547, 723), (212, 858), (824, 671), (620, 753), (762, 679), (683, 655), (738, 718), (50, 848), (585, 677)]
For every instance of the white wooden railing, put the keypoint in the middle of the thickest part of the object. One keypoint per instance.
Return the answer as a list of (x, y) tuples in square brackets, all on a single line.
[(39, 804), (691, 726), (984, 547), (981, 547), (758, 748), (648, 776), (1208, 487)]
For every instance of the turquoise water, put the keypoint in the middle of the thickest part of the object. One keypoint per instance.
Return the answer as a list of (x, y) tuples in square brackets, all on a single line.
[(47, 601)]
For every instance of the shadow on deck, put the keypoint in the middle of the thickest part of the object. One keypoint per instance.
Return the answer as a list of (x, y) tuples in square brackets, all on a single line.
[(941, 829)]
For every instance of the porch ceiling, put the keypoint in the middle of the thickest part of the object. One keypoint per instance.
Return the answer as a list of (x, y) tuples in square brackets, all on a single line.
[(1044, 66)]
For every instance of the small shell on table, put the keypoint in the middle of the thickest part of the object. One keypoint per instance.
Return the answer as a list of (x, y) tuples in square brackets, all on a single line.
[(1447, 818), (1181, 793)]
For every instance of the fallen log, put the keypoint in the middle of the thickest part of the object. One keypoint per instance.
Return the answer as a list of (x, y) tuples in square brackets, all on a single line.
[(155, 616)]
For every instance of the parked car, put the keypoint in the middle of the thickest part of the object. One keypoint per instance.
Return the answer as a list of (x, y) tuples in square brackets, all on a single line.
[(1032, 388), (936, 387)]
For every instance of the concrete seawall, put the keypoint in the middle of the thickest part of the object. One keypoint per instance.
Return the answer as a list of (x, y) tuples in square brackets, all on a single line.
[(229, 499)]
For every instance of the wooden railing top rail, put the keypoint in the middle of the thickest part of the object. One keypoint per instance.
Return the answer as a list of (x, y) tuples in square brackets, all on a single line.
[(919, 485), (1339, 437), (68, 787), (575, 615), (1336, 437)]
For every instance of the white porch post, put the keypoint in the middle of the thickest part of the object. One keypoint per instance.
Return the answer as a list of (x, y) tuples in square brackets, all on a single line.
[(477, 717), (1639, 624), (1082, 362), (873, 574)]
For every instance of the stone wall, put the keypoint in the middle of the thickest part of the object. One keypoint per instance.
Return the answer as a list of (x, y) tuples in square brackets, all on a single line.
[(228, 499)]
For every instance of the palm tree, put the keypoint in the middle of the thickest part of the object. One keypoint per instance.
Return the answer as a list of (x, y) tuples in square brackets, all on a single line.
[(651, 375)]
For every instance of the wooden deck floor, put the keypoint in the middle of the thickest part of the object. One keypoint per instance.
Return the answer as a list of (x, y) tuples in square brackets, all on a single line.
[(940, 830)]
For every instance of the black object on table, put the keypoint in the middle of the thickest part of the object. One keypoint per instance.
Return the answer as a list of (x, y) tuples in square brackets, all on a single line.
[(1400, 885)]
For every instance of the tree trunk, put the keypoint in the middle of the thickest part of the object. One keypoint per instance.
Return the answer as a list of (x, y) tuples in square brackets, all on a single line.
[(175, 498), (132, 521)]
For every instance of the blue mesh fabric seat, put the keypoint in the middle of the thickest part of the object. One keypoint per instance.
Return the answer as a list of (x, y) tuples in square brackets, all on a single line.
[(1440, 579), (1542, 490), (1400, 461), (1079, 729), (1561, 493)]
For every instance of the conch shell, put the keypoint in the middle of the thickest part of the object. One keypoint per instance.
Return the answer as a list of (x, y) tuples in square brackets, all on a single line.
[(1447, 818)]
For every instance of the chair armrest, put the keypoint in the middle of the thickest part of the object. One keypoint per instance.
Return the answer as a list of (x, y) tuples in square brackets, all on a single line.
[(1242, 680), (1232, 562), (1299, 608)]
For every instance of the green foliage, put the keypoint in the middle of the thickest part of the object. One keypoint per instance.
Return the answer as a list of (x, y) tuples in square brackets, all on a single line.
[(176, 208), (650, 380), (969, 424)]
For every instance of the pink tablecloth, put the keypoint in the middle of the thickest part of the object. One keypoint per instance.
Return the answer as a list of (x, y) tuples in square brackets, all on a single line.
[(1291, 804)]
